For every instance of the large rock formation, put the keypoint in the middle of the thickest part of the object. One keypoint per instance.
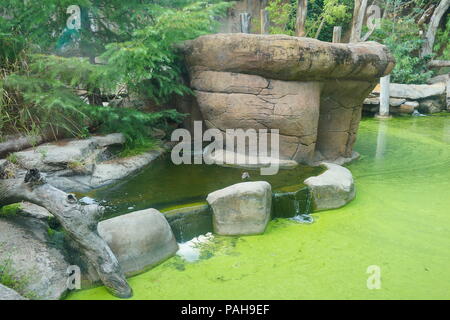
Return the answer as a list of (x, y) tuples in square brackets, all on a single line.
[(311, 91)]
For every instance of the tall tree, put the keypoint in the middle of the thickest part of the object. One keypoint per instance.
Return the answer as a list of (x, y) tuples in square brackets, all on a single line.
[(436, 18), (302, 10), (358, 19)]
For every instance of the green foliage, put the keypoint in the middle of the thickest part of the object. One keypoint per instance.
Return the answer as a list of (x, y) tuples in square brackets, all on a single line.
[(137, 44), (9, 210), (323, 14), (403, 39)]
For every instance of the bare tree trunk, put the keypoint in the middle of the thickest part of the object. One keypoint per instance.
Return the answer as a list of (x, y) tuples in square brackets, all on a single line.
[(358, 19), (79, 221), (265, 22), (427, 47), (320, 28), (302, 10)]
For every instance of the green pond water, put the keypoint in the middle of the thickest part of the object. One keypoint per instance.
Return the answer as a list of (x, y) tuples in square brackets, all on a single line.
[(165, 186), (399, 221)]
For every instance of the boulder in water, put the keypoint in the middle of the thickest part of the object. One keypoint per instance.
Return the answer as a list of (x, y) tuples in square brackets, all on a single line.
[(332, 189), (140, 240), (241, 209)]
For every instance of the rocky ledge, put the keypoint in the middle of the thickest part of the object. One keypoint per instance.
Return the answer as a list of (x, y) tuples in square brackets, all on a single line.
[(312, 91), (79, 165)]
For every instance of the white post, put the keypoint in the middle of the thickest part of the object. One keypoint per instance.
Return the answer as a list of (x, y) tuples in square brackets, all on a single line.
[(245, 22), (384, 96), (337, 32)]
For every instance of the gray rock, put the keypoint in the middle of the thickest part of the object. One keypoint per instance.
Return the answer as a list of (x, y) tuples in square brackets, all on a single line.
[(108, 140), (332, 189), (413, 104), (140, 240), (241, 209), (416, 91), (40, 266), (431, 106), (111, 171), (32, 210), (396, 102), (393, 102), (9, 294)]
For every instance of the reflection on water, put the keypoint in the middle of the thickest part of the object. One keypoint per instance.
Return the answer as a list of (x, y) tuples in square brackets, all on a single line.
[(163, 184), (381, 139), (399, 221)]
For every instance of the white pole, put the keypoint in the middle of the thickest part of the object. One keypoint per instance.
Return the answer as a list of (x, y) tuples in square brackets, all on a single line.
[(337, 32), (384, 96)]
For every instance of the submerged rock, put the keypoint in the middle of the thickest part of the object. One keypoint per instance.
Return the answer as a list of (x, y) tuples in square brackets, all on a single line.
[(140, 240), (241, 209), (332, 189)]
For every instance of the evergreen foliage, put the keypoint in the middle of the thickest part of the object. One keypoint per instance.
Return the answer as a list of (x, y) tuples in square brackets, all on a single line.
[(136, 42)]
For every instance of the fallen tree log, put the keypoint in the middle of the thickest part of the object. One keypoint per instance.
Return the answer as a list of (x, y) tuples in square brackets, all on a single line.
[(79, 221)]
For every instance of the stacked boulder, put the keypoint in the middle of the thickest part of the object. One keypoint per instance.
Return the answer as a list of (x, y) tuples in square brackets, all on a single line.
[(311, 91), (407, 98)]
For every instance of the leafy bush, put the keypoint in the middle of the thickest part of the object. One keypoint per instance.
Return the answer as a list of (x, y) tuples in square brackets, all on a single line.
[(322, 16), (402, 37), (137, 43)]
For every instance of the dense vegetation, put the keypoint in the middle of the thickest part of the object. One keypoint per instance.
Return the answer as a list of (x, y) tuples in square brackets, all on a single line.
[(50, 78), (399, 29), (64, 80)]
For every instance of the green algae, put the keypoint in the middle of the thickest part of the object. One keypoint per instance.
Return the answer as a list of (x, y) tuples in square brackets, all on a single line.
[(399, 221), (165, 185)]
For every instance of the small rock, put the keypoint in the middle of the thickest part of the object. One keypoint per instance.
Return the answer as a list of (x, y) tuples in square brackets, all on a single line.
[(332, 189), (241, 209), (431, 106)]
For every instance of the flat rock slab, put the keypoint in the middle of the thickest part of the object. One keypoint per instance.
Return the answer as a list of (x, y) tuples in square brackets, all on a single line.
[(140, 240), (288, 58), (332, 189), (241, 209), (228, 158), (9, 294), (414, 91), (59, 155)]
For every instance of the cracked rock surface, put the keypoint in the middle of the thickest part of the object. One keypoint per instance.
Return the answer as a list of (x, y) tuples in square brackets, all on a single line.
[(311, 91)]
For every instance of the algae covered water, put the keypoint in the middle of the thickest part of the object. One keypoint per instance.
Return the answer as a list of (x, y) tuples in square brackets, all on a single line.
[(164, 185), (399, 223)]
